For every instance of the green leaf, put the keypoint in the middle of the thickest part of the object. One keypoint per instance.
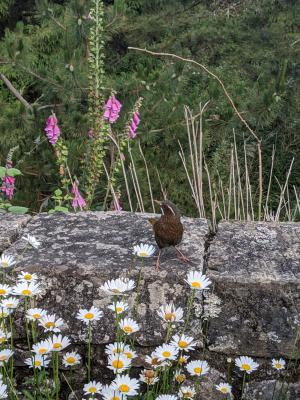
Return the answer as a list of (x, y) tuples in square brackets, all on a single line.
[(18, 209), (2, 172), (13, 172), (61, 209), (58, 192)]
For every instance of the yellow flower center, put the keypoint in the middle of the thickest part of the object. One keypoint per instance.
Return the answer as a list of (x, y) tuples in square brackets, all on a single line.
[(119, 309), (278, 365), (166, 354), (89, 315), (143, 254), (10, 305), (187, 395), (180, 378), (198, 370), (116, 398), (246, 367), (128, 355), (170, 316), (196, 284), (182, 344), (71, 360), (224, 390), (182, 360), (49, 324), (27, 277), (92, 389), (57, 345), (36, 316), (37, 363), (26, 292), (2, 292), (115, 290), (3, 357), (118, 364), (127, 329), (124, 388), (42, 350), (4, 264), (2, 339)]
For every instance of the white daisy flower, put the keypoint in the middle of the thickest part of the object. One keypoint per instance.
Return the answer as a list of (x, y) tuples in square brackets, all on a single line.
[(179, 377), (5, 355), (26, 289), (224, 388), (88, 316), (37, 361), (27, 277), (278, 364), (35, 314), (115, 348), (51, 323), (119, 307), (5, 290), (183, 342), (128, 326), (197, 367), (4, 312), (32, 241), (144, 250), (169, 313), (149, 377), (109, 392), (187, 392), (70, 359), (166, 352), (246, 364), (126, 385), (118, 363), (59, 342), (3, 391), (41, 348), (197, 281), (4, 336), (129, 353), (153, 360), (92, 388), (166, 397), (10, 303), (118, 286), (183, 359), (6, 261)]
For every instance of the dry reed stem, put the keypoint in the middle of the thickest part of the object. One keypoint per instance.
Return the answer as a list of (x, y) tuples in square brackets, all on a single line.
[(148, 176)]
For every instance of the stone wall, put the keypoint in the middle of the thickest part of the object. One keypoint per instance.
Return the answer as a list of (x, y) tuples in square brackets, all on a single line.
[(253, 308)]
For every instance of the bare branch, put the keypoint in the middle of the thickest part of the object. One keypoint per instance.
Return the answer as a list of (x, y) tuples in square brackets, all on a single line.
[(15, 92), (153, 53)]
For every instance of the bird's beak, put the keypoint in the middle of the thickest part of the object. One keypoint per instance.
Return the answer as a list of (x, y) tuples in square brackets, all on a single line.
[(158, 202)]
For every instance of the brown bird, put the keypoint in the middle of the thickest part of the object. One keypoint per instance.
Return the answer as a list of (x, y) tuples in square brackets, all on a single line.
[(168, 229)]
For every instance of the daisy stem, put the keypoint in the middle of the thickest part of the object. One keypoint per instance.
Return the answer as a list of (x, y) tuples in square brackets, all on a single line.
[(10, 382), (136, 302), (56, 376), (189, 310), (169, 332), (26, 322), (12, 346), (89, 353), (243, 385)]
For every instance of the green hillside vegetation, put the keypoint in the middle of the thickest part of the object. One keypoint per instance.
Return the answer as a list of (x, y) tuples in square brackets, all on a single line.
[(252, 46)]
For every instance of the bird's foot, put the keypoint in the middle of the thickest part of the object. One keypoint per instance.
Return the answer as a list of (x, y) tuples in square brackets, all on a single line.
[(183, 258)]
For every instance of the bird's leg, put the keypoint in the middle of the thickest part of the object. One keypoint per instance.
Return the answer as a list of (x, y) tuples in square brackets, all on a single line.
[(158, 260), (181, 256)]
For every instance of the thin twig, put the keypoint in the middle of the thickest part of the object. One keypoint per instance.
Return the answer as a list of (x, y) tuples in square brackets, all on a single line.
[(15, 92)]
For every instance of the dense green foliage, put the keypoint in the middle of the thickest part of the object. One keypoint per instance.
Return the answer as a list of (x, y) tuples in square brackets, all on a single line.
[(253, 47)]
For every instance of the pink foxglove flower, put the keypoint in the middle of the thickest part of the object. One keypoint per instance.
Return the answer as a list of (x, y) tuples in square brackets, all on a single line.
[(78, 200), (112, 109), (8, 184), (135, 120), (52, 129)]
